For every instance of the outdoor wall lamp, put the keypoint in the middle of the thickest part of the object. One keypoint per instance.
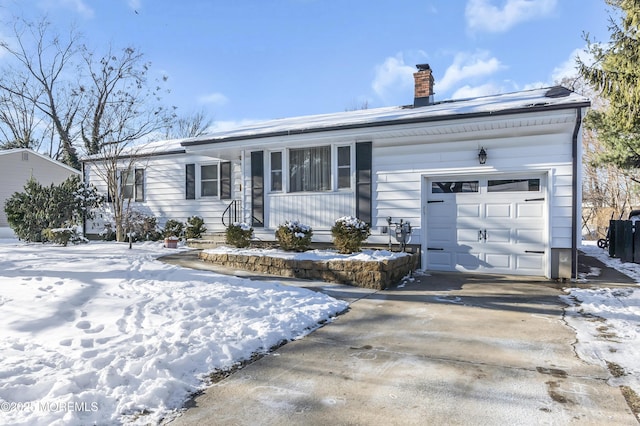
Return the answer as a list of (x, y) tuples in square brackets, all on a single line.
[(482, 156)]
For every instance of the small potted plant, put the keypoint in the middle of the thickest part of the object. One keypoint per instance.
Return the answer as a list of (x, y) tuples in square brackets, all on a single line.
[(172, 232)]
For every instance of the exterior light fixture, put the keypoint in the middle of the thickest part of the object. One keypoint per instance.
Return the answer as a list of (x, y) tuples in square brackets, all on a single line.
[(482, 156)]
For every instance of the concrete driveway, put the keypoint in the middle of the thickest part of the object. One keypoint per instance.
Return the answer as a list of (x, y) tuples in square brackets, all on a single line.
[(444, 349)]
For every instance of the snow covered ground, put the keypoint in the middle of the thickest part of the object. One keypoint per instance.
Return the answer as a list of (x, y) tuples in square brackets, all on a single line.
[(607, 321), (98, 333), (102, 334)]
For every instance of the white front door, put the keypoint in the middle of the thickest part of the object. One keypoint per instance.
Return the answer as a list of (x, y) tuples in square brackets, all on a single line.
[(487, 224)]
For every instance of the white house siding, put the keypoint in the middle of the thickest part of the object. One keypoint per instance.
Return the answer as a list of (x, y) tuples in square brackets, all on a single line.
[(400, 167), (16, 170), (165, 192), (318, 210)]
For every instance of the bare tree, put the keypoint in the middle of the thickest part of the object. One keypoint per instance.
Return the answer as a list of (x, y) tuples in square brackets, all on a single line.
[(43, 59), (122, 109), (191, 126), (20, 126)]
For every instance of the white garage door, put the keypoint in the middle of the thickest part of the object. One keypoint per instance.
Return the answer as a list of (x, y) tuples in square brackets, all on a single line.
[(490, 225)]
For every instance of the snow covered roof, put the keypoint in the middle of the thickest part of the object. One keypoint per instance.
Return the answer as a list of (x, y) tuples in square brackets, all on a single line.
[(44, 157), (549, 98)]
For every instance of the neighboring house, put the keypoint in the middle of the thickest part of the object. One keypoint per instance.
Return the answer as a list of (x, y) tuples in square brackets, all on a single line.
[(490, 184), (19, 165)]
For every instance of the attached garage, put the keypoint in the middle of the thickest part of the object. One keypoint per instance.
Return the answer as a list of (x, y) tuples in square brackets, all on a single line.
[(488, 224)]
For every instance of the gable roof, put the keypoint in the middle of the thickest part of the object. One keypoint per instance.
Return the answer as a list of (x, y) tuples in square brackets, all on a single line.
[(44, 157), (545, 99)]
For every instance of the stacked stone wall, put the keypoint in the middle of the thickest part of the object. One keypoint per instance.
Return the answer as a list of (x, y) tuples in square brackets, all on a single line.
[(377, 275)]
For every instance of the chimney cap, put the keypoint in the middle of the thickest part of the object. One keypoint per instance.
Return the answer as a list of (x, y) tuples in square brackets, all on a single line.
[(423, 67)]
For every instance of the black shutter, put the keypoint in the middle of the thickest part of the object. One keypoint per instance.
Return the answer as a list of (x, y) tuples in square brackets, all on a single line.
[(190, 182), (257, 189), (363, 181), (225, 180)]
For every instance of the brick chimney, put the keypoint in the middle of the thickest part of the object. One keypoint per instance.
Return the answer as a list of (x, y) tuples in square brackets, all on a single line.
[(423, 86)]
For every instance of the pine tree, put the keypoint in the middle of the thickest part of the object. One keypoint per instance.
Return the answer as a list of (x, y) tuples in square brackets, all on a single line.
[(615, 74)]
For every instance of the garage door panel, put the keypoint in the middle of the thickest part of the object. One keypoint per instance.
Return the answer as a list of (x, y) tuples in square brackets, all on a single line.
[(529, 236), (440, 260), (529, 210), (438, 210), (468, 261), (468, 210), (530, 262), (497, 260), (467, 235), (442, 235), (498, 210), (498, 235)]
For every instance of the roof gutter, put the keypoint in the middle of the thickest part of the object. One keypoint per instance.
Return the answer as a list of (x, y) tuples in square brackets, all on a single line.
[(533, 108)]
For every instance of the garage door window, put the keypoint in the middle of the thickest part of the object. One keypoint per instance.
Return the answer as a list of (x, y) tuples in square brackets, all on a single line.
[(454, 187), (514, 185)]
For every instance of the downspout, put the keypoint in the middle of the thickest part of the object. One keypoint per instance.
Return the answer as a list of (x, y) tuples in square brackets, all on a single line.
[(574, 195)]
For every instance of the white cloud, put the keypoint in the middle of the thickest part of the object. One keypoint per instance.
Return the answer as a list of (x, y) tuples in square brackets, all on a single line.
[(393, 74), (79, 6), (135, 4), (475, 91), (468, 66), (482, 15), (568, 69), (214, 99)]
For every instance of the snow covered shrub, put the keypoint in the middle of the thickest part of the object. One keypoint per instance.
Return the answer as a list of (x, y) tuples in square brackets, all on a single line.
[(141, 227), (349, 233), (294, 236), (63, 236), (55, 206), (239, 235), (195, 227), (173, 228)]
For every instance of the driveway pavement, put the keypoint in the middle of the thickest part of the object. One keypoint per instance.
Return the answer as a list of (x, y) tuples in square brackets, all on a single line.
[(445, 348)]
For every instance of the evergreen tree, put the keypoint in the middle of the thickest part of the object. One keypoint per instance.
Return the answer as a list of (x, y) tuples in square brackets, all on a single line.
[(615, 74)]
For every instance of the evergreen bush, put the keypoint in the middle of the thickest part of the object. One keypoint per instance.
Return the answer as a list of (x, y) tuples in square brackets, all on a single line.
[(141, 227), (56, 206), (349, 233), (294, 236), (173, 228), (239, 235), (195, 227)]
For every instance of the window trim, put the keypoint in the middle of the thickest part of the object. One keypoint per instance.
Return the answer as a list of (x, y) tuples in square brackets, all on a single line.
[(224, 179), (333, 178), (137, 186)]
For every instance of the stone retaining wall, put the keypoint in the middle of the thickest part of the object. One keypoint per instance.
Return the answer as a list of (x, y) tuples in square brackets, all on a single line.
[(372, 274)]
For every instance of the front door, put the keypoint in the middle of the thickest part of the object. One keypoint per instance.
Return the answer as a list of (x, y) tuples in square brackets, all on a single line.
[(487, 224)]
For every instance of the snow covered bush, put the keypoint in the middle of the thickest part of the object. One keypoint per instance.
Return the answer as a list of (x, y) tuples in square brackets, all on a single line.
[(239, 235), (63, 236), (56, 206), (173, 228), (141, 227), (349, 233), (195, 227), (294, 236)]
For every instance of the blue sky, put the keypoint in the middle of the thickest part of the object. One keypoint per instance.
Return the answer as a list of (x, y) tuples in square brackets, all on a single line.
[(246, 60)]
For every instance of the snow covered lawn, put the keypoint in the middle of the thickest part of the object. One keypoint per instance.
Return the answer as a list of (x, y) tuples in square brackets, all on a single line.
[(102, 334), (607, 321)]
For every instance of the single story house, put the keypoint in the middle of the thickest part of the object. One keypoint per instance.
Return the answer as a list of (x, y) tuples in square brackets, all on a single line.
[(19, 165), (490, 184)]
